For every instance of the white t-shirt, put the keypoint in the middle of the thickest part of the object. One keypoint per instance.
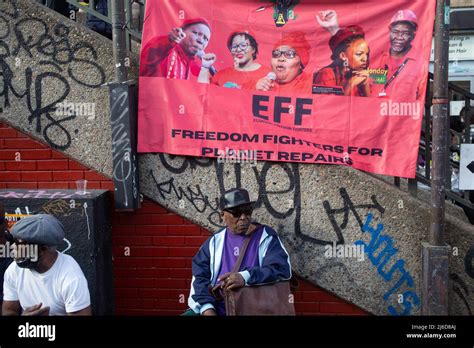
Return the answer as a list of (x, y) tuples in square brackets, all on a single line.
[(63, 287)]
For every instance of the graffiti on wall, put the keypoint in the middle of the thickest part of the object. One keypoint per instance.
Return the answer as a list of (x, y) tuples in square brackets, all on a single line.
[(459, 285), (195, 195), (125, 174), (349, 208), (289, 185), (57, 63), (401, 298), (382, 252), (23, 212)]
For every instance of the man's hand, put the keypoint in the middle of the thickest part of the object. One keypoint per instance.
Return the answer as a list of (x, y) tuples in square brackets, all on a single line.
[(176, 35), (35, 310), (208, 60), (328, 20), (264, 84), (232, 281), (211, 312)]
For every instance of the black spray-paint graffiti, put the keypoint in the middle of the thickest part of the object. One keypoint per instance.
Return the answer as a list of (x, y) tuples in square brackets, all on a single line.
[(291, 183), (459, 286), (201, 202), (461, 289), (58, 58), (468, 262), (123, 156), (195, 195), (348, 207)]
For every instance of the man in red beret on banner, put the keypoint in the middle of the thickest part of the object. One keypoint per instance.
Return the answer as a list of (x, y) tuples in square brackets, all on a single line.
[(176, 56)]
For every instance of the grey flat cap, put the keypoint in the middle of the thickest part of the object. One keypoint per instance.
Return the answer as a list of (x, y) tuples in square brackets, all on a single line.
[(40, 229)]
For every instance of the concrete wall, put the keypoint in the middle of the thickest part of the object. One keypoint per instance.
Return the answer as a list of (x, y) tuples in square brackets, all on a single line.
[(47, 60), (152, 247), (311, 206)]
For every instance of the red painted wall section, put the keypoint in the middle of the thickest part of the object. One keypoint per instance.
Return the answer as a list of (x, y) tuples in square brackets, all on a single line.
[(152, 247)]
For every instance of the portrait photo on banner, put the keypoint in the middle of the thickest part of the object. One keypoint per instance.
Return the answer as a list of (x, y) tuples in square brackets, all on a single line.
[(331, 82)]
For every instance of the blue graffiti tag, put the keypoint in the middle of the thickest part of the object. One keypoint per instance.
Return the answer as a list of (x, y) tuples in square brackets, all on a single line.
[(377, 241)]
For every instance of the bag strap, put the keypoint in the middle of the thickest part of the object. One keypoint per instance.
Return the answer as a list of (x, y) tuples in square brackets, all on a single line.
[(241, 255)]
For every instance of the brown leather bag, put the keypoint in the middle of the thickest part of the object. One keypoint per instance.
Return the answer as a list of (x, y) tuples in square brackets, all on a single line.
[(267, 299)]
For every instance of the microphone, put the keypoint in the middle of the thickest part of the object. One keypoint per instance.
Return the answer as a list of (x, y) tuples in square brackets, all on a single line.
[(272, 76), (200, 54)]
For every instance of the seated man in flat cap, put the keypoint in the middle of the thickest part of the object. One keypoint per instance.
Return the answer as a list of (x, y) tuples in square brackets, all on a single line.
[(47, 282), (265, 259)]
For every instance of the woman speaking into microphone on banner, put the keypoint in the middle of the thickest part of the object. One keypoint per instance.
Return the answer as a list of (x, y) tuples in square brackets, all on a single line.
[(289, 58)]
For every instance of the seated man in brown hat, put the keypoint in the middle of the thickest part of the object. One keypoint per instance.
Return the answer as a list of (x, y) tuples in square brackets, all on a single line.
[(43, 281), (265, 259)]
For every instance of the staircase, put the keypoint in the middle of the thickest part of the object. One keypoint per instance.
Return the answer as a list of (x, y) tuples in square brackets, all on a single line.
[(47, 59)]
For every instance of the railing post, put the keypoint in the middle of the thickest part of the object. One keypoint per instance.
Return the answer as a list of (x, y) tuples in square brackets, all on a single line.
[(123, 117), (467, 120), (413, 187), (428, 133), (396, 181), (119, 40), (449, 170), (440, 114), (435, 260), (128, 21)]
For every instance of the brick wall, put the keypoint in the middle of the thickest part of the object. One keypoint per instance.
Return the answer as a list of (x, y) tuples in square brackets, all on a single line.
[(152, 247)]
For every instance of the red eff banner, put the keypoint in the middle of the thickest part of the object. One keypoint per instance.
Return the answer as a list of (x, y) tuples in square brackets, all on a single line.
[(334, 82)]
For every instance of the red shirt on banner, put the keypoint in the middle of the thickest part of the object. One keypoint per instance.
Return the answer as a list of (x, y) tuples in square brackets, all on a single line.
[(301, 84), (407, 86), (332, 76), (232, 78), (160, 58), (292, 121)]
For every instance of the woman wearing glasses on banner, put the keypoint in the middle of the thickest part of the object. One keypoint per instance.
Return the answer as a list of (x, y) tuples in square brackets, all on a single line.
[(246, 71), (290, 56)]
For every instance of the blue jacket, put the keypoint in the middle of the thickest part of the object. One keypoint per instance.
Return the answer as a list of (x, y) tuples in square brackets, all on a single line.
[(97, 24), (273, 259)]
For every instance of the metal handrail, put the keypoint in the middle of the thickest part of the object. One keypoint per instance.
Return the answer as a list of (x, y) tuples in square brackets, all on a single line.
[(461, 198), (455, 88), (133, 34)]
